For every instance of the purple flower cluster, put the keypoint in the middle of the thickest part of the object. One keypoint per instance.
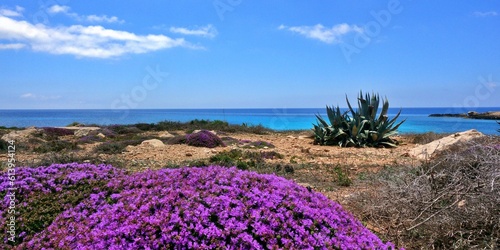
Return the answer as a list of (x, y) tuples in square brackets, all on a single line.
[(31, 183), (204, 138), (204, 208), (55, 132)]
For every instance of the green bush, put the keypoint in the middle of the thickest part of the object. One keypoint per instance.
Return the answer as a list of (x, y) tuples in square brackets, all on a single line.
[(360, 128), (56, 146), (3, 145)]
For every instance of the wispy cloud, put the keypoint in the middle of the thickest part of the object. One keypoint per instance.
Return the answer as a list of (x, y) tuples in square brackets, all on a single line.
[(28, 95), (82, 41), (17, 12), (485, 14), (40, 97), (324, 34), (63, 9), (12, 46), (205, 31)]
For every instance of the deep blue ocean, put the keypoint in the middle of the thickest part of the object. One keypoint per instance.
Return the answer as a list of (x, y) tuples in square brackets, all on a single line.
[(417, 119)]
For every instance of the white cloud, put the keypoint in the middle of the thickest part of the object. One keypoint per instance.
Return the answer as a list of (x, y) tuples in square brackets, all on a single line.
[(83, 41), (205, 31), (485, 14), (40, 97), (322, 33), (12, 13), (56, 9), (28, 95), (12, 46)]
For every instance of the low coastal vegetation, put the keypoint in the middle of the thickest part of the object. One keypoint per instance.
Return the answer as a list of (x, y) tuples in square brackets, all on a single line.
[(360, 128), (89, 206), (450, 201)]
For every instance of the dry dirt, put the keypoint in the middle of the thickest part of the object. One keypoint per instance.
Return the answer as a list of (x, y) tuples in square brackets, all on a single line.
[(313, 164)]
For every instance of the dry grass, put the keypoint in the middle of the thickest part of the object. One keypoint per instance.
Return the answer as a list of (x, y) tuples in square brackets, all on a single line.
[(451, 202)]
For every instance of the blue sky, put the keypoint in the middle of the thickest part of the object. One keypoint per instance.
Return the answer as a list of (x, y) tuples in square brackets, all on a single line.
[(247, 54)]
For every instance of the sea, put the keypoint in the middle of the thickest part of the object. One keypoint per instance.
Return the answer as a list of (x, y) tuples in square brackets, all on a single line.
[(417, 120)]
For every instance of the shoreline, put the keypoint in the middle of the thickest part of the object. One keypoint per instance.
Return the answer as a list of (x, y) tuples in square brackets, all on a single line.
[(490, 115)]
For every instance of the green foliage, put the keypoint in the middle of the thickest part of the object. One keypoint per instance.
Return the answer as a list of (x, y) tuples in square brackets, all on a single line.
[(42, 207), (342, 177), (3, 145), (56, 146), (243, 159), (115, 147), (360, 128)]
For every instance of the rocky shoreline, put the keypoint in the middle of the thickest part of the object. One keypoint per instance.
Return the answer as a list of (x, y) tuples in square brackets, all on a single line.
[(490, 115)]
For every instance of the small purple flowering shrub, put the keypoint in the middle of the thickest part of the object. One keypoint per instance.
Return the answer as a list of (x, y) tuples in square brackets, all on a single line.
[(205, 208), (204, 138), (56, 132), (42, 193)]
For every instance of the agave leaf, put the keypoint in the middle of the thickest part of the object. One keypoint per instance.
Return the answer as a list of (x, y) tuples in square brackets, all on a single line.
[(320, 120), (350, 107)]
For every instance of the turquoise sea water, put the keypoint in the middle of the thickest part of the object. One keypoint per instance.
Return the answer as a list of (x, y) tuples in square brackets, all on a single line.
[(417, 119)]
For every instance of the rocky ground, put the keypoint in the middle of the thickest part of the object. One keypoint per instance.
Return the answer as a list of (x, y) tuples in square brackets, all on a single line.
[(341, 174), (320, 167)]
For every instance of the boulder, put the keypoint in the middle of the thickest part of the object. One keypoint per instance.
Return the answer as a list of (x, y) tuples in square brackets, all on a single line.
[(211, 131), (429, 150), (19, 134), (166, 135), (155, 143), (81, 133)]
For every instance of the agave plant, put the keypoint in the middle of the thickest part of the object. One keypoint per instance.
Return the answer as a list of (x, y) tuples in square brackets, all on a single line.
[(363, 127)]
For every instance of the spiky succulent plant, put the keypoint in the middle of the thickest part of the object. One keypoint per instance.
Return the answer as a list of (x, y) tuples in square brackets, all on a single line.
[(361, 128)]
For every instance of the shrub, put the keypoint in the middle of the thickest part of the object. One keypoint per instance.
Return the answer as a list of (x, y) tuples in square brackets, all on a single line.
[(56, 146), (452, 202), (205, 208), (110, 148), (124, 129), (361, 128), (3, 146), (204, 139), (178, 139), (44, 192), (56, 132)]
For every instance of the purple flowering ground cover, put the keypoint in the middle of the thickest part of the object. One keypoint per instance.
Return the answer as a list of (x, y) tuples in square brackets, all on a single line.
[(190, 208)]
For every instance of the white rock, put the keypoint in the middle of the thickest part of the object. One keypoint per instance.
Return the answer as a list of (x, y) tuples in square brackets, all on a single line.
[(19, 134), (81, 132), (429, 150), (101, 135), (155, 143), (166, 135), (211, 131)]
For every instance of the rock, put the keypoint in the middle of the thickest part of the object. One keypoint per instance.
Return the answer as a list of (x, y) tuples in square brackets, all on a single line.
[(81, 133), (101, 135), (155, 143), (166, 135), (19, 134), (189, 154), (429, 150), (291, 137), (211, 131)]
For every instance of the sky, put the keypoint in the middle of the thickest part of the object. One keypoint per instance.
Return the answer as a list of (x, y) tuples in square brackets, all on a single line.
[(68, 54)]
